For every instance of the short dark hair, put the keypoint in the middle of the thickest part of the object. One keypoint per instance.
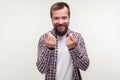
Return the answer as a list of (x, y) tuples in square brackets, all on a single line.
[(59, 5)]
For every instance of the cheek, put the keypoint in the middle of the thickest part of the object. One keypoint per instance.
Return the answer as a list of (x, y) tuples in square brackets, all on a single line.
[(66, 21), (54, 22)]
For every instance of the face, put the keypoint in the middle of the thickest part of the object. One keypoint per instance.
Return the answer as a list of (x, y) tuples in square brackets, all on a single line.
[(60, 21)]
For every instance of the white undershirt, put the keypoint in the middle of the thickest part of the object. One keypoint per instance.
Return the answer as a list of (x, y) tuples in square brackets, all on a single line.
[(64, 61)]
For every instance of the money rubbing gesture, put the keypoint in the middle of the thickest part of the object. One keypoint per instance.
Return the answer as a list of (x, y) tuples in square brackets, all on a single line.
[(71, 41), (50, 41)]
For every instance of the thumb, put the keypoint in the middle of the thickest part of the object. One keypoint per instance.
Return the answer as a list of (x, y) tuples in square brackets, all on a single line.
[(48, 33), (72, 36)]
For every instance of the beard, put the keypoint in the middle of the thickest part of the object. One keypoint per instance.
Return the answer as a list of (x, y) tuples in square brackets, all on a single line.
[(58, 32)]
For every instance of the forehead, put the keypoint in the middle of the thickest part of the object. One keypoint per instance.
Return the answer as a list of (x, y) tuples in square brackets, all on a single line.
[(60, 12)]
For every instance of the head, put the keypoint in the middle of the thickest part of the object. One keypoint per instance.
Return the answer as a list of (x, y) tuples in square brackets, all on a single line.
[(60, 16)]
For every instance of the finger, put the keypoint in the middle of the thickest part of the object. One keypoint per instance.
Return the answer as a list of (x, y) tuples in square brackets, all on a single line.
[(69, 41), (47, 35), (51, 39), (54, 41), (73, 39), (71, 36)]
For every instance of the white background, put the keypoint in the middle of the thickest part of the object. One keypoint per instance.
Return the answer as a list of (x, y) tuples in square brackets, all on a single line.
[(22, 22)]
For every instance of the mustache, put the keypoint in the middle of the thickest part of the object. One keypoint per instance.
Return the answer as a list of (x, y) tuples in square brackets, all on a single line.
[(60, 25)]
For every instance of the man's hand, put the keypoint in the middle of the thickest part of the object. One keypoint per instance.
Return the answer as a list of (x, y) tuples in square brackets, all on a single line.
[(71, 41), (50, 41)]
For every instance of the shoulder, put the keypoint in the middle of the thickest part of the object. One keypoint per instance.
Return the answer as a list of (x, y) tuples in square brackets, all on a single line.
[(44, 34), (42, 37), (77, 34)]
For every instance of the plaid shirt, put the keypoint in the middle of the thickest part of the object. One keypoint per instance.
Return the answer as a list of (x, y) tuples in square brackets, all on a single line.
[(47, 59)]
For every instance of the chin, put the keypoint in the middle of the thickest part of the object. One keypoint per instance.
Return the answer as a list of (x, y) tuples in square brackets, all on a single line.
[(61, 32)]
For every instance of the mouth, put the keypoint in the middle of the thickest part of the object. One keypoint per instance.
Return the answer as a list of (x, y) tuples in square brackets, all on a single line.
[(61, 27), (61, 30)]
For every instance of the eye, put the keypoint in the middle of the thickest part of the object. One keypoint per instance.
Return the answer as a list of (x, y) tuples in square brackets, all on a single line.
[(55, 18), (64, 18)]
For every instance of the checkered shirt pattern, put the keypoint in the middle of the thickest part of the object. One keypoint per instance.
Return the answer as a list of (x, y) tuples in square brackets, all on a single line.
[(47, 58)]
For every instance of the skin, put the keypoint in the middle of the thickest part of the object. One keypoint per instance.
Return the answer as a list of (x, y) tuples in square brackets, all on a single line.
[(60, 20)]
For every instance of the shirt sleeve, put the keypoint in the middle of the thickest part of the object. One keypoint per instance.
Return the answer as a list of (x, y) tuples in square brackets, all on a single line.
[(79, 54), (43, 56)]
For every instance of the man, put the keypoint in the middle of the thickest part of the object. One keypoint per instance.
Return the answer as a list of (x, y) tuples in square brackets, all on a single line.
[(61, 52)]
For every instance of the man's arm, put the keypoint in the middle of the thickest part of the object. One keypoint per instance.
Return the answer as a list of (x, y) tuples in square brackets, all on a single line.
[(43, 57), (79, 54)]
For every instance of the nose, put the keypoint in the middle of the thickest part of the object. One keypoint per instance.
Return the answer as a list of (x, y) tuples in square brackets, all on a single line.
[(60, 21)]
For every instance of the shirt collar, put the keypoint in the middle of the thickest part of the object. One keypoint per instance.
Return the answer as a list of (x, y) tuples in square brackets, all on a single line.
[(67, 33)]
